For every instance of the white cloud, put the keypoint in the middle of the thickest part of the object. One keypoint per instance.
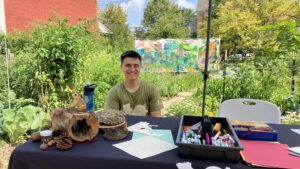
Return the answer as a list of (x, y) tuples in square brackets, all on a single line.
[(185, 4), (135, 11), (133, 5)]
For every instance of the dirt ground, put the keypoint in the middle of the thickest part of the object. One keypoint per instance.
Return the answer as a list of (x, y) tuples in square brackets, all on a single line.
[(6, 149)]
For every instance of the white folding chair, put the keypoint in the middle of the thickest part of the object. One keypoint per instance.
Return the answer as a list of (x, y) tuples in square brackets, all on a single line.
[(251, 110)]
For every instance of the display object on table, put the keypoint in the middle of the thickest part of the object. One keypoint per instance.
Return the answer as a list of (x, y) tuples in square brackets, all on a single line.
[(63, 141), (113, 123), (76, 123), (213, 139), (46, 138), (89, 97), (78, 102), (80, 126), (83, 126), (67, 124), (253, 130), (35, 136)]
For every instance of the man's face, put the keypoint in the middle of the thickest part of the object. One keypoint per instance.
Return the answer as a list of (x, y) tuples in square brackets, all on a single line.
[(131, 68)]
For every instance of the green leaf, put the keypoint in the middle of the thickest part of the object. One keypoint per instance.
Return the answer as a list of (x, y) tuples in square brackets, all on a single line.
[(8, 115)]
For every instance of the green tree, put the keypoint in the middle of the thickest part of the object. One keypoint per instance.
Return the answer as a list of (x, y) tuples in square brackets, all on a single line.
[(2, 62), (202, 17), (277, 41), (140, 32), (164, 19), (114, 17), (215, 10), (239, 20)]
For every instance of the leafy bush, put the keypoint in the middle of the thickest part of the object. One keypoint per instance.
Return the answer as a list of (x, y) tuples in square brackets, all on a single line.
[(291, 118), (56, 53), (21, 119), (47, 59), (172, 84), (189, 106), (18, 123), (1, 120), (270, 84), (22, 75), (102, 69), (291, 103), (3, 75)]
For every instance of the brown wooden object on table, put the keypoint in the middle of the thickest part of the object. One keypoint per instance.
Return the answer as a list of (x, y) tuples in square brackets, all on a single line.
[(80, 126), (60, 119), (83, 126)]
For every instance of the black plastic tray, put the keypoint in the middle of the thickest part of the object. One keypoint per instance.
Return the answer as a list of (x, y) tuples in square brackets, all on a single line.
[(208, 152)]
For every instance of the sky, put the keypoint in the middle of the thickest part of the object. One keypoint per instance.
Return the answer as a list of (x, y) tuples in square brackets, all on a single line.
[(135, 8)]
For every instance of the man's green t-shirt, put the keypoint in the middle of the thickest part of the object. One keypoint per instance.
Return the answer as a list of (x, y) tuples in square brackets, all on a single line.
[(141, 102)]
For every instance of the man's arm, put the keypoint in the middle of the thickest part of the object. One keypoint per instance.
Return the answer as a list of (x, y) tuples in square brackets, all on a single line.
[(155, 103), (156, 113), (112, 101)]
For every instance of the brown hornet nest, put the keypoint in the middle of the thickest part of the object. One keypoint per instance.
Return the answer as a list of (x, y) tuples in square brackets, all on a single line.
[(110, 117), (113, 123)]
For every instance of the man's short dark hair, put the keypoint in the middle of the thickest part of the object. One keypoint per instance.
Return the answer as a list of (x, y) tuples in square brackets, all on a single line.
[(131, 54)]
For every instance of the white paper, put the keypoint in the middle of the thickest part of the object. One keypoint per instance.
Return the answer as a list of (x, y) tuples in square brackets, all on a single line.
[(295, 149), (184, 165), (213, 167), (296, 131), (145, 147), (143, 128), (216, 167)]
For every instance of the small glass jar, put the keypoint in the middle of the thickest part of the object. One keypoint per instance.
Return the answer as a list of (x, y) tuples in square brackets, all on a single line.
[(46, 136)]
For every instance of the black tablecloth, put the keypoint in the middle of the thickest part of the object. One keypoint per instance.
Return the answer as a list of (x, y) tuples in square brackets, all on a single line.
[(100, 154)]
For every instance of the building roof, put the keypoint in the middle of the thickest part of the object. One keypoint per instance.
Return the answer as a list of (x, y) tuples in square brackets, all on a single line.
[(103, 29), (19, 14)]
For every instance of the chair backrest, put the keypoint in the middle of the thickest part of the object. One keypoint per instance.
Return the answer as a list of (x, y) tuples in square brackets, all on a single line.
[(250, 109)]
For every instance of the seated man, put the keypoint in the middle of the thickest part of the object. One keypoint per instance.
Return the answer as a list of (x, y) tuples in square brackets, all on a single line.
[(134, 96)]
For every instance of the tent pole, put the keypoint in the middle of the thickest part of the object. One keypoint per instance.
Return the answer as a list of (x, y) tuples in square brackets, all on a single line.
[(205, 73)]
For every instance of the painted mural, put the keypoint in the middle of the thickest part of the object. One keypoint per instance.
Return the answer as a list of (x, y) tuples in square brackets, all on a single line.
[(175, 55)]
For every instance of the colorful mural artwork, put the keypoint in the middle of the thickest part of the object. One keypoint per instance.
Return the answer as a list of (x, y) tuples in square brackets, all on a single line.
[(174, 55)]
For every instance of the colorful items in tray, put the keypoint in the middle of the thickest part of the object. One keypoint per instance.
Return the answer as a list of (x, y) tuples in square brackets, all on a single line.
[(223, 141), (206, 130), (213, 135)]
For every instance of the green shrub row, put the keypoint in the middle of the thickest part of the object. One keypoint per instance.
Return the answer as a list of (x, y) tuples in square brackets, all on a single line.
[(246, 81)]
